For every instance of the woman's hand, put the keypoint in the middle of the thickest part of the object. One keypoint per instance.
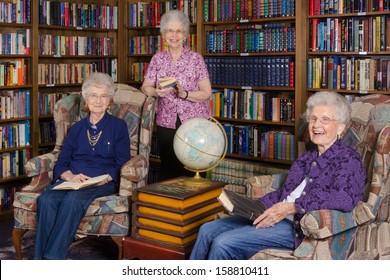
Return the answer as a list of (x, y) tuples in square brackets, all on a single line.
[(70, 177), (275, 214), (163, 92)]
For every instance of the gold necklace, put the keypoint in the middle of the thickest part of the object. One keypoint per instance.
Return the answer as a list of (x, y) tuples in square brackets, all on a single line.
[(93, 139)]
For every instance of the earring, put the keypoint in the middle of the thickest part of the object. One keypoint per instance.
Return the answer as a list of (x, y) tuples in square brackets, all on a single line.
[(338, 136)]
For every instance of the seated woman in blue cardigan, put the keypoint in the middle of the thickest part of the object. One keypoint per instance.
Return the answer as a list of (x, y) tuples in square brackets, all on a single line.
[(96, 145)]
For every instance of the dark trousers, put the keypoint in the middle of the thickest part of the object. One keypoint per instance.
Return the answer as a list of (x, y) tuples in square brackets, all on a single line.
[(170, 166)]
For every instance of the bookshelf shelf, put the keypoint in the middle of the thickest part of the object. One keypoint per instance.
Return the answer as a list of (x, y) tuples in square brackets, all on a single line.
[(32, 59), (348, 49), (284, 47)]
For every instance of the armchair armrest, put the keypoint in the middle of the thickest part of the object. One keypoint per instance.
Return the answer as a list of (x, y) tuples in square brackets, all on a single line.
[(258, 186), (40, 168), (321, 224), (133, 174)]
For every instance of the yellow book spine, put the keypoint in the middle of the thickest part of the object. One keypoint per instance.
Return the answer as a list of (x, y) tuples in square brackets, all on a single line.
[(166, 238), (178, 204), (174, 228), (175, 216)]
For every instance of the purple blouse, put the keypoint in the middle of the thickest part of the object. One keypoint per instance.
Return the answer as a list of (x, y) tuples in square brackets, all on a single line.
[(189, 69), (336, 180)]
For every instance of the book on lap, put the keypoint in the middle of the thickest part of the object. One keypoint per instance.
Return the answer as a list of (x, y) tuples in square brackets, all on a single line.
[(240, 205), (76, 186)]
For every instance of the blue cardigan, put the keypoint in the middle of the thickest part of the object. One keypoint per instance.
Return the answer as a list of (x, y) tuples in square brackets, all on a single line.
[(107, 156)]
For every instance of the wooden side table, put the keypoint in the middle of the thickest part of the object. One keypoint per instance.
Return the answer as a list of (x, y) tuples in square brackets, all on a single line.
[(143, 250)]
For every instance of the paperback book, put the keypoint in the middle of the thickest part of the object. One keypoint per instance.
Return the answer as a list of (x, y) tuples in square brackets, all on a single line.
[(76, 186)]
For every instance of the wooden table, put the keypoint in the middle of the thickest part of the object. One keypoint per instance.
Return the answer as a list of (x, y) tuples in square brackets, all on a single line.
[(143, 250)]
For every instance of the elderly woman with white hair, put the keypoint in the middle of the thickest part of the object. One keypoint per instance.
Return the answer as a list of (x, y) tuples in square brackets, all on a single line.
[(176, 104), (96, 145), (331, 176)]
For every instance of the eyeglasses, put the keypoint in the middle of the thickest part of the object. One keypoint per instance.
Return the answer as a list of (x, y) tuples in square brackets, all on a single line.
[(323, 120), (172, 31), (95, 97)]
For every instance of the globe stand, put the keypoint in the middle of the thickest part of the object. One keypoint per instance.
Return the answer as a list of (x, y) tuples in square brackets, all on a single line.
[(197, 180)]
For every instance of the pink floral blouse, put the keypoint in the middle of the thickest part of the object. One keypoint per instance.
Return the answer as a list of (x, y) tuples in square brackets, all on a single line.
[(189, 69)]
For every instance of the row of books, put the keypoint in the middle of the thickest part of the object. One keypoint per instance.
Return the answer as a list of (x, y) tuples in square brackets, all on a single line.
[(325, 7), (46, 101), (47, 131), (258, 141), (252, 105), (15, 135), (149, 13), (138, 70), (17, 42), (74, 73), (75, 45), (349, 73), (15, 11), (15, 104), (352, 34), (154, 44), (252, 71), (12, 163), (256, 38), (237, 172), (77, 15), (13, 72), (215, 10), (7, 195)]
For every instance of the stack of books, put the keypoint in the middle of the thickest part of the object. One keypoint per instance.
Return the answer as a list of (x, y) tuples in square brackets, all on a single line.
[(170, 213)]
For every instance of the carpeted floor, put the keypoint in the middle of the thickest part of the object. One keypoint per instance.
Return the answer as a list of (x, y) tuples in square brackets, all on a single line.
[(90, 248)]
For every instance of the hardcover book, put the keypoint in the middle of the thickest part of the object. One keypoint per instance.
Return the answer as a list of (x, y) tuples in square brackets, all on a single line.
[(76, 186), (167, 82), (241, 205), (176, 216), (178, 193)]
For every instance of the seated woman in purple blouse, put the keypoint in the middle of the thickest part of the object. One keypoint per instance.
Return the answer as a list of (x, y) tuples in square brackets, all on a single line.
[(189, 99), (329, 177), (96, 145)]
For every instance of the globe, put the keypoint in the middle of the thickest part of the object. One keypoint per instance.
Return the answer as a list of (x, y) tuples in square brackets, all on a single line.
[(200, 144)]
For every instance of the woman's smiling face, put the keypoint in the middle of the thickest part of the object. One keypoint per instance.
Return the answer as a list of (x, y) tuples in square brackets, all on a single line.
[(174, 35), (324, 127)]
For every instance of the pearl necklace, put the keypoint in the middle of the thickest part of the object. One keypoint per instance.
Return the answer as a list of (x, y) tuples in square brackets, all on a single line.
[(93, 139)]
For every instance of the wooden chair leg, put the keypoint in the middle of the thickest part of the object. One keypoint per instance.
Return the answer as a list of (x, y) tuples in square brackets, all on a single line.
[(17, 234), (119, 242)]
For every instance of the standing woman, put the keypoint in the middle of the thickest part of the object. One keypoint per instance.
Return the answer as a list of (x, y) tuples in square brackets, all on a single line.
[(189, 99), (96, 145)]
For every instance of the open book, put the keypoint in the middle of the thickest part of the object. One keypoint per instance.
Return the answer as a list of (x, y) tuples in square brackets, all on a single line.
[(167, 82), (240, 205), (76, 186)]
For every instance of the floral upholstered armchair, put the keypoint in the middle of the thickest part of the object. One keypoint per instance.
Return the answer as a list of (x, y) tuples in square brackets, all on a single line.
[(109, 215), (363, 233)]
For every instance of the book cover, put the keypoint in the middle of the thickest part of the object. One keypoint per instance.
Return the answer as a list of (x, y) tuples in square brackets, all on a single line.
[(241, 205), (76, 186), (178, 193)]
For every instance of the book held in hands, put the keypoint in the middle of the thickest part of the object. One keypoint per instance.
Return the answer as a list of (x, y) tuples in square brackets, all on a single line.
[(167, 82), (240, 205), (76, 186)]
